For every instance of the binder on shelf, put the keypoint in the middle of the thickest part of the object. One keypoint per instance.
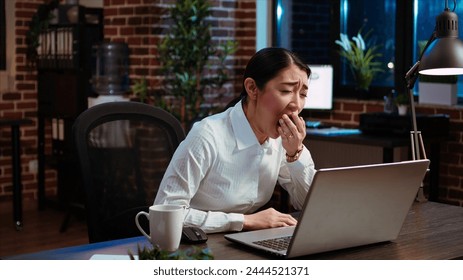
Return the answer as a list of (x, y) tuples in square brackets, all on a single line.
[(56, 48)]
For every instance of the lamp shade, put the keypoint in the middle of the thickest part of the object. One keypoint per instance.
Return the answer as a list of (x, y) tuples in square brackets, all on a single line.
[(444, 56)]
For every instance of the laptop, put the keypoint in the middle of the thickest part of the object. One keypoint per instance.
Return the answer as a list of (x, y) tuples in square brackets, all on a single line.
[(345, 207)]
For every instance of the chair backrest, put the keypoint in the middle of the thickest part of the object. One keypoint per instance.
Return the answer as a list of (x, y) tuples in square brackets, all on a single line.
[(124, 149)]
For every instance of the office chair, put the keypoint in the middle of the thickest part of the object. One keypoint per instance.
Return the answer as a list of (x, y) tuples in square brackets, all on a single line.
[(124, 149)]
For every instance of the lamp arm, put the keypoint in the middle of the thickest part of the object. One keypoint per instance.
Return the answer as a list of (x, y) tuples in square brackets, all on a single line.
[(412, 74), (410, 77)]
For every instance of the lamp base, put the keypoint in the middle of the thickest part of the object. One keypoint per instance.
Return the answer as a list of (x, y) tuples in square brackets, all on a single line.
[(420, 195)]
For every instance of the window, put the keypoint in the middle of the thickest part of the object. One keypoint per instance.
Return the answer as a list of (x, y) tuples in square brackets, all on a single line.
[(381, 24), (303, 26), (376, 20), (424, 20), (310, 27)]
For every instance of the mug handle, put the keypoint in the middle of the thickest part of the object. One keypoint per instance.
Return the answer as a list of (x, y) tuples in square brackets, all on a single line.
[(138, 224)]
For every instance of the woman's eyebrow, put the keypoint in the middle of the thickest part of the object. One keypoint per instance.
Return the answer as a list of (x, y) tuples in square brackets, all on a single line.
[(304, 86)]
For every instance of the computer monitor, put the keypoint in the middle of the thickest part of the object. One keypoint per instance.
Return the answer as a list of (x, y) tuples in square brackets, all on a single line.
[(320, 96)]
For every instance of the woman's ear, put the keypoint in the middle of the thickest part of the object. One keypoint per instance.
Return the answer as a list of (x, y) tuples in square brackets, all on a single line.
[(251, 88)]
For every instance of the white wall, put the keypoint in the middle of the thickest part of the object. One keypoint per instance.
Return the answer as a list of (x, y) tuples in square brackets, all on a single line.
[(91, 3), (263, 24)]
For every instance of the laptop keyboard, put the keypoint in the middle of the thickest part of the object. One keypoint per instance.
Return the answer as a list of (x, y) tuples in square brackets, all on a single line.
[(279, 243)]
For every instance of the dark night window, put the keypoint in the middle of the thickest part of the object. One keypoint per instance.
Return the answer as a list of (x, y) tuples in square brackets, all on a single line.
[(424, 19), (378, 19)]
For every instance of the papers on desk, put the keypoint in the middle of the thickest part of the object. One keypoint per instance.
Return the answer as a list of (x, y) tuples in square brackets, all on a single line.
[(112, 257), (333, 131)]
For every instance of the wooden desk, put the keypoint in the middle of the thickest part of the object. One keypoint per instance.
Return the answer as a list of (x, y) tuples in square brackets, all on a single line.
[(431, 231), (14, 124)]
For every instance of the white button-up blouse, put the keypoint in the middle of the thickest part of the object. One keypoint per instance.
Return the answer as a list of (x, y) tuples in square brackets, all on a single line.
[(221, 171)]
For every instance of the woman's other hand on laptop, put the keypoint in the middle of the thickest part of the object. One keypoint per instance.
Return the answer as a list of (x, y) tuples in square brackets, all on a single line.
[(268, 218)]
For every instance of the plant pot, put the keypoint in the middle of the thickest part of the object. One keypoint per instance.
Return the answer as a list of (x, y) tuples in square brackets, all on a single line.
[(402, 109), (437, 93)]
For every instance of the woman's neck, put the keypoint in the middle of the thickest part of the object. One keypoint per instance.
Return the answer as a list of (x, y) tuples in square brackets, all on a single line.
[(250, 113)]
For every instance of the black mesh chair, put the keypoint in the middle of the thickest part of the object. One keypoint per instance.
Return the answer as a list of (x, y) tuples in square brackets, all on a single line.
[(124, 149)]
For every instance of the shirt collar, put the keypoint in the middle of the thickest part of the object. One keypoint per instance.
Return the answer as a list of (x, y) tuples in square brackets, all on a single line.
[(245, 136)]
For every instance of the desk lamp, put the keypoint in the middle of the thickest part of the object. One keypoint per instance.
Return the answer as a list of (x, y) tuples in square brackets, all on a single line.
[(442, 55)]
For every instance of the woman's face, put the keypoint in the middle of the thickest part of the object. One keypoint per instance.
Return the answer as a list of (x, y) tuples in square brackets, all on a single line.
[(284, 94)]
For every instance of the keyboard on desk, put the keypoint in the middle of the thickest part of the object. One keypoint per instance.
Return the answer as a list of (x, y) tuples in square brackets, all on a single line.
[(278, 244)]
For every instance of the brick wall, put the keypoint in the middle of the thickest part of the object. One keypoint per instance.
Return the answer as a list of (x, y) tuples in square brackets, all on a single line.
[(451, 164), (140, 24), (20, 101)]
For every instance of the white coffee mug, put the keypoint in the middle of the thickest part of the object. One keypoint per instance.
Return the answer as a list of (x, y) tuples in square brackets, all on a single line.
[(165, 223)]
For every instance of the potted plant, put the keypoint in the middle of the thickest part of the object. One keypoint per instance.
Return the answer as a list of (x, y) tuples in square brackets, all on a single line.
[(440, 90), (190, 60), (361, 59), (155, 253), (402, 102)]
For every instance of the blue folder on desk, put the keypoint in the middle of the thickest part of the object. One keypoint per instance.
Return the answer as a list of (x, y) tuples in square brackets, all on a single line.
[(333, 131)]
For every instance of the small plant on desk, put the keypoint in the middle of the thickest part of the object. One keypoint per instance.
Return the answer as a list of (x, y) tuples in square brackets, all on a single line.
[(155, 253), (402, 99), (402, 102)]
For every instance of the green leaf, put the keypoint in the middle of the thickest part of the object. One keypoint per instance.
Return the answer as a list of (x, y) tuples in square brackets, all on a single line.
[(362, 62), (155, 253)]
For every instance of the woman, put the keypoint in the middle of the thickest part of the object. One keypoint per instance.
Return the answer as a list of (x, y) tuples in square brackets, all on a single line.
[(228, 165)]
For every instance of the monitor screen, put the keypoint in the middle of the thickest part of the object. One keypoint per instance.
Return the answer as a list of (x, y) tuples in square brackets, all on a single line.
[(320, 96)]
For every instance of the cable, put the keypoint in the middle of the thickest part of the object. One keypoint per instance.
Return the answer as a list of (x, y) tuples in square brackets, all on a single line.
[(447, 5)]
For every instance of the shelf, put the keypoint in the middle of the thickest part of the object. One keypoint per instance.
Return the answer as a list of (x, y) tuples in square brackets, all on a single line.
[(65, 66)]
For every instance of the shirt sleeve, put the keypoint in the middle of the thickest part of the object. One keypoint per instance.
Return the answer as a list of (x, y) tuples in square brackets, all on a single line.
[(211, 221), (182, 179), (296, 177)]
